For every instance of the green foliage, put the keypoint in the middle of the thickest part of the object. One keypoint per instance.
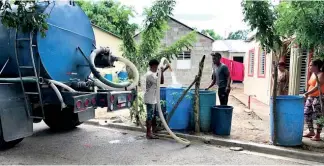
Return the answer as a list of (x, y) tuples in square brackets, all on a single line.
[(109, 15), (155, 26), (304, 20), (261, 17), (320, 120), (25, 18), (238, 35), (212, 33), (176, 48)]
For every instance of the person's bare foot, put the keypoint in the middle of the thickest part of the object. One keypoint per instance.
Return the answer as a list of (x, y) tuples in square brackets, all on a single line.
[(151, 136), (317, 137), (310, 134)]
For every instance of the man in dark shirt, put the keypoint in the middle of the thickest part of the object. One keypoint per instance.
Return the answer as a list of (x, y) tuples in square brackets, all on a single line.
[(221, 76)]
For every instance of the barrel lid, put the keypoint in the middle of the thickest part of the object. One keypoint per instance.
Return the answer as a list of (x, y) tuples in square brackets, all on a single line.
[(69, 28)]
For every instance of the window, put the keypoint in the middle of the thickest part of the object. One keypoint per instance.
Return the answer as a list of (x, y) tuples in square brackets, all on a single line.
[(251, 63), (184, 60), (262, 63)]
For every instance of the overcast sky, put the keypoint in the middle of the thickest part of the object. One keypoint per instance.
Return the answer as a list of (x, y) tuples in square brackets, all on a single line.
[(223, 16)]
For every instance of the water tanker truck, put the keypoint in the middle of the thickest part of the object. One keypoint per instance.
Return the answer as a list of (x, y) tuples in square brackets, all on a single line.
[(55, 78)]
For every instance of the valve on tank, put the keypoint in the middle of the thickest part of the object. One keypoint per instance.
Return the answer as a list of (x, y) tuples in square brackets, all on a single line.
[(105, 59)]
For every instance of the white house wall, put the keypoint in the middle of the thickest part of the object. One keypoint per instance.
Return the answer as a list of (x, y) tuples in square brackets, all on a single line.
[(255, 85)]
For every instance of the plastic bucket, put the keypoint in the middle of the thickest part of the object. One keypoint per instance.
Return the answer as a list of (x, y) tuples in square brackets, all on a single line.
[(123, 76), (109, 77), (207, 99), (180, 118), (289, 119), (221, 122)]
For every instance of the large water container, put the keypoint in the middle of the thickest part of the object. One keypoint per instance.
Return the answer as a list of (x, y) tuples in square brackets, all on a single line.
[(221, 119), (207, 99), (290, 120), (68, 28), (180, 118), (162, 93)]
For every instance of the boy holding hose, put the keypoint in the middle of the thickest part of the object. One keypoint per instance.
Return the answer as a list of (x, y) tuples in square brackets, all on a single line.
[(150, 96)]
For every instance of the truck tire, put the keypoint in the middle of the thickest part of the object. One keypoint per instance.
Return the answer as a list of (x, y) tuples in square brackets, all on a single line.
[(60, 120), (6, 145)]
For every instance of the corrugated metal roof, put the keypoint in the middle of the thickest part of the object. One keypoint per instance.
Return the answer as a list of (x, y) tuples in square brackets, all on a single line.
[(230, 45)]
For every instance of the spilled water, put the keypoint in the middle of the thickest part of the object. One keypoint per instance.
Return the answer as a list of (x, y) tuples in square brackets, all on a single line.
[(175, 83)]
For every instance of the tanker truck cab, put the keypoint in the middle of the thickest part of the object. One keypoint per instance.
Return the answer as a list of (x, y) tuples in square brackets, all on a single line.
[(49, 78)]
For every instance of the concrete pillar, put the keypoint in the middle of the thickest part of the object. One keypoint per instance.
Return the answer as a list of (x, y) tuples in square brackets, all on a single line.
[(294, 71)]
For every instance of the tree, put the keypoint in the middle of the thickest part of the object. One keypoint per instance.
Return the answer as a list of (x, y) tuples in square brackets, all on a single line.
[(155, 26), (106, 14), (26, 18), (212, 34), (305, 21), (238, 35), (261, 17), (149, 46)]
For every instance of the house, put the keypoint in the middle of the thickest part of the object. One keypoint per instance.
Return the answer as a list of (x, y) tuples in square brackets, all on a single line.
[(186, 65), (258, 70), (231, 49), (105, 38)]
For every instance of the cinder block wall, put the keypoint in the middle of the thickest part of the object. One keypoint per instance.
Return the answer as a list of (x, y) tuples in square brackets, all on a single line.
[(203, 46)]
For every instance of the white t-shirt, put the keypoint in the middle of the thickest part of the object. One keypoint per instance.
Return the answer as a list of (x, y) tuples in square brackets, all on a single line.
[(151, 88)]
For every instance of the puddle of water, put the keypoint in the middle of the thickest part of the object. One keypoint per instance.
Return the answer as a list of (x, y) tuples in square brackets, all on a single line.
[(114, 141)]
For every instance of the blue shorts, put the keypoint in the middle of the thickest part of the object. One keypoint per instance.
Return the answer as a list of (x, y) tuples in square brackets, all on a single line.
[(150, 110)]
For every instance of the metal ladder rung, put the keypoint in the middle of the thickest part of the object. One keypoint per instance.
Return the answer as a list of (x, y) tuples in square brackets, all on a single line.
[(26, 67), (32, 93), (23, 39), (20, 67)]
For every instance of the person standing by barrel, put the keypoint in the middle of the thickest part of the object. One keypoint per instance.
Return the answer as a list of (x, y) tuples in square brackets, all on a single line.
[(222, 77), (313, 108), (150, 96)]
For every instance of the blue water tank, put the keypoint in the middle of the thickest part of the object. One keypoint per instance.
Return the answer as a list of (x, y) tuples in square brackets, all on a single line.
[(207, 100), (180, 118), (69, 28), (290, 120)]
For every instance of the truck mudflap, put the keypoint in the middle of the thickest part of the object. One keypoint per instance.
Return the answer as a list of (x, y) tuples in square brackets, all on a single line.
[(115, 100), (14, 118)]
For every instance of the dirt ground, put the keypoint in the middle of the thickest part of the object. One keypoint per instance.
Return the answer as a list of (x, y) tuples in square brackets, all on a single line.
[(246, 125)]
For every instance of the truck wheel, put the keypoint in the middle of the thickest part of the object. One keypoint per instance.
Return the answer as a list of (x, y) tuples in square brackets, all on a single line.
[(60, 120), (6, 145)]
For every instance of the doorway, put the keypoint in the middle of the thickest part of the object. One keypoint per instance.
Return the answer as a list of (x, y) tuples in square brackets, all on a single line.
[(238, 59), (241, 60)]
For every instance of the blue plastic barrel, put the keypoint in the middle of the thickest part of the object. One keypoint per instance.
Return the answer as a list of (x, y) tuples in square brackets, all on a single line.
[(180, 118), (123, 76), (221, 122), (109, 77), (290, 120), (207, 99), (162, 93)]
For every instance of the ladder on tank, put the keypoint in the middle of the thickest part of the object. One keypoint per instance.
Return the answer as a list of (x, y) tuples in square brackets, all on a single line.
[(35, 76)]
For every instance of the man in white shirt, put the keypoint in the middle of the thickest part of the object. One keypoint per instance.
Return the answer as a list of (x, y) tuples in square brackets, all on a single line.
[(150, 96)]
